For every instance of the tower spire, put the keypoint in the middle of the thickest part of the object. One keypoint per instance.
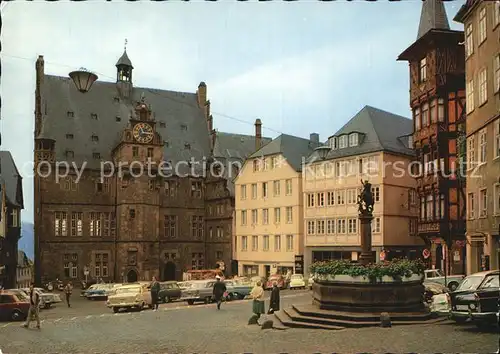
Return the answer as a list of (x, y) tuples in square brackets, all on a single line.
[(433, 16)]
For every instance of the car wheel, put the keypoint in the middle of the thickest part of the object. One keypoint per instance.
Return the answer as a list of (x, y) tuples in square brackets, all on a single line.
[(46, 306), (116, 309), (166, 299), (208, 300), (190, 302), (16, 315), (453, 286)]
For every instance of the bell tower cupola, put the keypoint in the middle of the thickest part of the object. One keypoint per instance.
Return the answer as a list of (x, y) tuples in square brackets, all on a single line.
[(124, 74)]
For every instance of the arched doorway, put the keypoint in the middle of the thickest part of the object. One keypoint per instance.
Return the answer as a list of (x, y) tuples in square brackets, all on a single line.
[(169, 271), (132, 276)]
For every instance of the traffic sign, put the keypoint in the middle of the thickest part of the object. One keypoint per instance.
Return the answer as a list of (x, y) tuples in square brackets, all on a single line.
[(382, 255), (426, 253)]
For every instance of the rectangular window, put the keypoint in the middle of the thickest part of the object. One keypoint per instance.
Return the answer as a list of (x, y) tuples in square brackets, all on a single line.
[(320, 227), (255, 243), (482, 146), (60, 223), (76, 224), (14, 218), (220, 232), (353, 139), (376, 225), (471, 155), (95, 224), (330, 226), (469, 41), (469, 102), (274, 162), (101, 265), (135, 151), (496, 68), (352, 226), (266, 164), (243, 189), (254, 191), (277, 243), (256, 165), (425, 115), (310, 200), (265, 216), (496, 126), (341, 226), (496, 14), (196, 189), (330, 198), (289, 215), (496, 198), (433, 111), (109, 222), (471, 206), (150, 153), (289, 243), (265, 239), (376, 194), (340, 196), (483, 203), (244, 243), (343, 142), (288, 183), (483, 86), (482, 25), (276, 188), (351, 196), (422, 208), (430, 207), (170, 226), (423, 70), (441, 111), (311, 227), (321, 199), (255, 217), (277, 215), (243, 217), (197, 227), (416, 117), (441, 206)]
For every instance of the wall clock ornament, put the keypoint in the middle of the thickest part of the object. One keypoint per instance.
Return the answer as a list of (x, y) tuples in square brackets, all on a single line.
[(143, 133)]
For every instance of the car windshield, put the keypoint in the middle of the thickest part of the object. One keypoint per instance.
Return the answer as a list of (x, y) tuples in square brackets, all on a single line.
[(491, 282), (21, 296), (130, 290), (94, 287), (434, 273), (297, 277), (470, 283)]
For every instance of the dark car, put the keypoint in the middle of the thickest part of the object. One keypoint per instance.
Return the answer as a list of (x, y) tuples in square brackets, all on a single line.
[(169, 291), (463, 297), (484, 312), (13, 307)]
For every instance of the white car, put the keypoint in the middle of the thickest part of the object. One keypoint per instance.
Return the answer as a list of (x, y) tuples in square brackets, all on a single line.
[(46, 299), (441, 304), (297, 282)]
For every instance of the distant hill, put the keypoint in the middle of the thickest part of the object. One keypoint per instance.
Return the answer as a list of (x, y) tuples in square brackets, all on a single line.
[(27, 241)]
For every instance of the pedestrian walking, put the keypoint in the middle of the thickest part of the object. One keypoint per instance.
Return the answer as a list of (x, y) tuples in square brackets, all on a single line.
[(68, 290), (34, 311), (257, 294), (275, 299), (155, 290), (219, 291)]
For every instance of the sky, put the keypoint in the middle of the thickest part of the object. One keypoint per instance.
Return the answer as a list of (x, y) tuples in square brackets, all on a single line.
[(301, 67)]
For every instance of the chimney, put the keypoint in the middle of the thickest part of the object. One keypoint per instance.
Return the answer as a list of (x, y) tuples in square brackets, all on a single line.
[(202, 95), (314, 139), (40, 72), (258, 134)]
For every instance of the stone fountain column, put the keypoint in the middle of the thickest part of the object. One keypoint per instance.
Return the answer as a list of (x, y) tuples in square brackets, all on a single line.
[(367, 255)]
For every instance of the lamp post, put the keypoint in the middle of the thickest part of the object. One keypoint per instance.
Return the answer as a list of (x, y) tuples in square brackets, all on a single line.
[(83, 79), (322, 151)]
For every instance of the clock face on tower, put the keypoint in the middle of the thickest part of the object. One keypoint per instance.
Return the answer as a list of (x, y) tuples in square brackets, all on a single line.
[(143, 133)]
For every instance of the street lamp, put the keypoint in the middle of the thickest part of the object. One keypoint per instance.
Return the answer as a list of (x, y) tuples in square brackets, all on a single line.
[(83, 79), (322, 151)]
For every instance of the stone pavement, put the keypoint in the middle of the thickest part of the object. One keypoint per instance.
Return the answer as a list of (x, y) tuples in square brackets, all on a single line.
[(203, 329)]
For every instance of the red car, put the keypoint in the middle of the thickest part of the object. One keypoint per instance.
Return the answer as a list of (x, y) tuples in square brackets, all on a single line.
[(278, 278), (13, 307)]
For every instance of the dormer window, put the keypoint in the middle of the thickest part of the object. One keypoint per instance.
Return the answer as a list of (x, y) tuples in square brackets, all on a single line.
[(163, 125), (333, 143), (423, 70), (70, 153), (184, 127), (343, 142), (96, 156), (69, 136), (116, 99), (187, 146), (93, 116), (70, 114), (118, 118), (353, 139), (95, 138), (165, 143)]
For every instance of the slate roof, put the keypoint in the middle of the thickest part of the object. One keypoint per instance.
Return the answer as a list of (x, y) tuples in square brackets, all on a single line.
[(10, 178), (234, 148), (185, 133), (381, 131), (433, 16), (293, 149), (124, 60)]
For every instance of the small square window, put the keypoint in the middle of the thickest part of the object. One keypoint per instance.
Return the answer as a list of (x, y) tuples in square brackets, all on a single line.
[(187, 146), (93, 116), (70, 153), (118, 118), (70, 114), (96, 156), (163, 125), (95, 138), (132, 213), (184, 127), (116, 99), (165, 143), (69, 136)]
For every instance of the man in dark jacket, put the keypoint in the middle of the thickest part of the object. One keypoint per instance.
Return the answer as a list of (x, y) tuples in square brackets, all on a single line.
[(274, 303), (219, 290), (155, 290), (34, 311)]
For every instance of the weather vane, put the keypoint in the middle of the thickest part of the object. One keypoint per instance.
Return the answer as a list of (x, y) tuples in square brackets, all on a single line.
[(125, 47)]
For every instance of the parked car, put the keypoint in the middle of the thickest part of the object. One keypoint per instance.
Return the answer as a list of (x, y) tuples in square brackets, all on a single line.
[(46, 299), (169, 291), (462, 300), (255, 279), (432, 289), (96, 292), (278, 278), (238, 289), (12, 306), (130, 296), (437, 276), (184, 284), (21, 294), (484, 312), (198, 291), (297, 282)]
